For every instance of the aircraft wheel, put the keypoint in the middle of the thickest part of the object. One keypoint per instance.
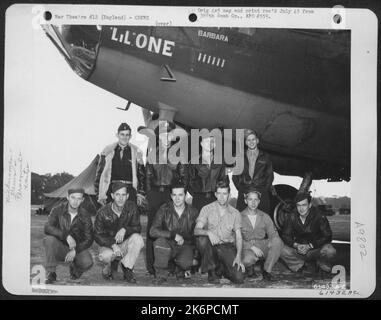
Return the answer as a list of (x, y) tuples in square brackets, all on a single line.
[(281, 209)]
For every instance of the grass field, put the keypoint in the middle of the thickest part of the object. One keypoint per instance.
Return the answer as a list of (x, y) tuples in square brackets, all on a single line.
[(340, 226), (284, 278)]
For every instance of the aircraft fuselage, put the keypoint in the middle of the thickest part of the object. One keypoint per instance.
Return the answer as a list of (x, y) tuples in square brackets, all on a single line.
[(292, 86)]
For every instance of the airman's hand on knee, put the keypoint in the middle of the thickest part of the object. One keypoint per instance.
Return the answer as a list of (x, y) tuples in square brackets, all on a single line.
[(71, 242), (237, 261), (258, 252), (119, 237), (70, 256), (140, 200), (116, 250), (303, 249)]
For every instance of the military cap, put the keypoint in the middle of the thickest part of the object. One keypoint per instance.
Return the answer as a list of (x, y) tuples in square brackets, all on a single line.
[(75, 190), (251, 190), (124, 126), (300, 196)]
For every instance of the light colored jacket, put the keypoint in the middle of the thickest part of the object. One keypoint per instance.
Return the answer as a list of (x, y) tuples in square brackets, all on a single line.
[(264, 229), (103, 176)]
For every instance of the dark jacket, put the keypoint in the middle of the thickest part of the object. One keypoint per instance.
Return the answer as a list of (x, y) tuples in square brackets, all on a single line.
[(316, 229), (263, 173), (107, 223), (167, 223), (203, 178), (159, 175), (81, 228)]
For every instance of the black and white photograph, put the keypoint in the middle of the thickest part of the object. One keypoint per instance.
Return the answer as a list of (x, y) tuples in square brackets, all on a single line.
[(189, 159)]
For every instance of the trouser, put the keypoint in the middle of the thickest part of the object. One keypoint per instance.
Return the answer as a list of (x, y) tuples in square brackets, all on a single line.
[(323, 256), (155, 198), (271, 252), (264, 205), (202, 199), (168, 250), (56, 251), (130, 249), (219, 257), (131, 195)]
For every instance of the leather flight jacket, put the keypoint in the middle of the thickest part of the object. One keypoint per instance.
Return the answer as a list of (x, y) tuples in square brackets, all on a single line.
[(263, 173), (203, 178), (315, 230), (107, 223), (167, 223), (59, 225), (160, 176)]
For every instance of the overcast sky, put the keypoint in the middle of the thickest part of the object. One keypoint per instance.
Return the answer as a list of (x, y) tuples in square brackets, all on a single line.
[(72, 119)]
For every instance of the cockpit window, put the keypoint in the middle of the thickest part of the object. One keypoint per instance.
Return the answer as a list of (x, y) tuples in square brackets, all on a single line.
[(78, 44)]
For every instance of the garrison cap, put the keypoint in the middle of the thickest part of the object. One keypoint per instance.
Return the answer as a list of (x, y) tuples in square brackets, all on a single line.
[(252, 190), (118, 185), (302, 196), (124, 126), (75, 190)]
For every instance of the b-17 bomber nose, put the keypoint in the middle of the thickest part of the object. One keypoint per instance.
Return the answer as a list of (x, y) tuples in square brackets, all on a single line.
[(78, 44)]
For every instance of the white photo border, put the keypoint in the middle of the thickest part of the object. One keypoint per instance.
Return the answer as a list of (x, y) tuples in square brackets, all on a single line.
[(17, 132)]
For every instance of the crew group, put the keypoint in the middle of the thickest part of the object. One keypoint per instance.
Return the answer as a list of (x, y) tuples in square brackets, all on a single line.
[(210, 235)]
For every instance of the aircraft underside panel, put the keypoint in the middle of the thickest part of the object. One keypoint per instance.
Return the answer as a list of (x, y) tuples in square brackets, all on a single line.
[(303, 136)]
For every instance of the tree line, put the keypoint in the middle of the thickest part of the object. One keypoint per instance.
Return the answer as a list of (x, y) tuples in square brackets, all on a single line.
[(46, 183)]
